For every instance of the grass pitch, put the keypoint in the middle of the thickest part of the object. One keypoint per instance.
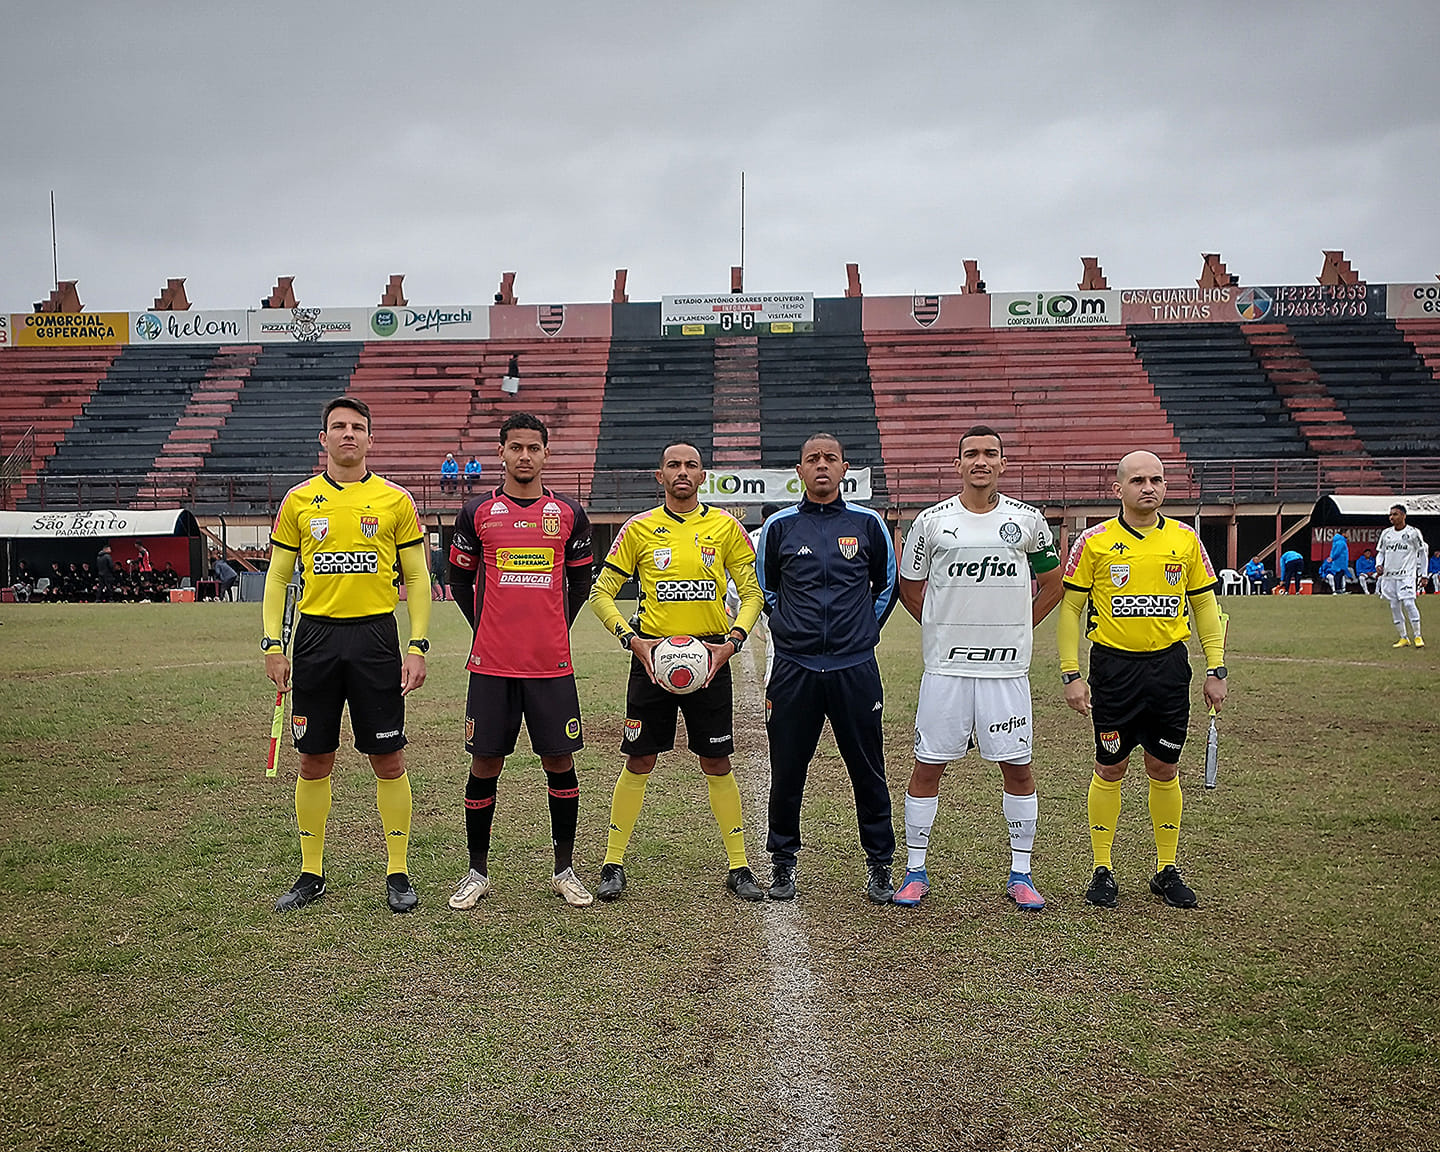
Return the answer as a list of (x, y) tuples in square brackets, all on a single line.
[(151, 999)]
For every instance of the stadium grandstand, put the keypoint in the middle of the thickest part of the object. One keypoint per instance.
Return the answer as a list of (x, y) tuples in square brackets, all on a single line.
[(1261, 400)]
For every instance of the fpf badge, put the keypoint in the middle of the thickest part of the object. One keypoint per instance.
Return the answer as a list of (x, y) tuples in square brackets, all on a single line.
[(849, 547)]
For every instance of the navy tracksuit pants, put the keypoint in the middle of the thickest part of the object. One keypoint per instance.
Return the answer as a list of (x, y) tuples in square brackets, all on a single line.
[(797, 703)]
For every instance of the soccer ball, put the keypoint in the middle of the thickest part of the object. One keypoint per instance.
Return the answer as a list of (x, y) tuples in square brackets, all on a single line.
[(681, 664)]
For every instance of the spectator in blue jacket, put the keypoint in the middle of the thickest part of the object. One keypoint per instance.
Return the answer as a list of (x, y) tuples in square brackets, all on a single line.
[(1339, 561), (827, 569), (472, 474), (1255, 577), (449, 474)]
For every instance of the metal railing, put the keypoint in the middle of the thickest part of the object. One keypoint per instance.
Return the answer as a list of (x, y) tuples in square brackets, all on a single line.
[(897, 487)]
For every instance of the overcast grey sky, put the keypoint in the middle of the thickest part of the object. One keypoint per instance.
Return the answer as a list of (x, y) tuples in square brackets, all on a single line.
[(343, 142)]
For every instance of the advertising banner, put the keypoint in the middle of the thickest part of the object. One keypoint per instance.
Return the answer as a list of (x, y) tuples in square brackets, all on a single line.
[(1413, 301), (1360, 537), (1054, 309), (440, 322), (69, 329), (737, 314), (192, 327), (773, 486), (1179, 306), (1286, 303), (4, 330), (308, 325)]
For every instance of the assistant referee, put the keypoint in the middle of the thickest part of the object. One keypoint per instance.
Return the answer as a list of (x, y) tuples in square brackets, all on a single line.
[(1142, 574), (349, 530)]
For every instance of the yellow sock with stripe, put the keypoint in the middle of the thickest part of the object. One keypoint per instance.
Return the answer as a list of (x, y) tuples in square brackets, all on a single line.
[(1165, 807), (312, 809), (624, 811), (725, 803), (1104, 806), (393, 799)]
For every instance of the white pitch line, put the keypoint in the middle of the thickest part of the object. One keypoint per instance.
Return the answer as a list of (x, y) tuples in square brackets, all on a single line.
[(801, 1079)]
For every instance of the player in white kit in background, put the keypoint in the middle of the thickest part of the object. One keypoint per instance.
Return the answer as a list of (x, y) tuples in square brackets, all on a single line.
[(965, 576), (1400, 564)]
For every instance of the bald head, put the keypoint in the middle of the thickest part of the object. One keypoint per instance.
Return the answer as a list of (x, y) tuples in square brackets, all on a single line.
[(1140, 484)]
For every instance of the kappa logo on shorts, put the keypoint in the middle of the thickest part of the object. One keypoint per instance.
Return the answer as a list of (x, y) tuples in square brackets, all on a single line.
[(319, 527), (1110, 741), (849, 547), (369, 525), (297, 727), (632, 729), (387, 735), (469, 729), (572, 728), (1119, 575), (1170, 744), (1173, 572)]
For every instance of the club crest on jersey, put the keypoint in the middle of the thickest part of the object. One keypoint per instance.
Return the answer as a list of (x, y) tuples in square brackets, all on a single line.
[(662, 558), (849, 547), (1173, 572), (369, 525), (469, 729), (1119, 575), (319, 527), (707, 556), (1010, 532), (632, 730), (297, 727), (550, 519), (1110, 741)]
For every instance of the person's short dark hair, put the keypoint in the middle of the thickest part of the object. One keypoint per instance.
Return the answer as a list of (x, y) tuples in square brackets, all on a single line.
[(823, 436), (346, 402), (1399, 508), (979, 430), (678, 443), (768, 510), (527, 421)]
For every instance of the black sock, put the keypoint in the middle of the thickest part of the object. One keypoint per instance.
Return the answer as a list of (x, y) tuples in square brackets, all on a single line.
[(479, 816), (564, 815)]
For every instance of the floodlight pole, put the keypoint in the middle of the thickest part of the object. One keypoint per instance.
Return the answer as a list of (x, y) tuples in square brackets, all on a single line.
[(742, 219), (54, 249)]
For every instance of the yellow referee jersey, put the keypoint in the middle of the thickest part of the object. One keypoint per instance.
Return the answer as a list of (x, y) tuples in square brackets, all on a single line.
[(348, 537), (680, 562), (1138, 581)]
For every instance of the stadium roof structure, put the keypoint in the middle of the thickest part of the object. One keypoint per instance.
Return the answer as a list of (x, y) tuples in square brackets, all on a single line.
[(101, 523), (1338, 509)]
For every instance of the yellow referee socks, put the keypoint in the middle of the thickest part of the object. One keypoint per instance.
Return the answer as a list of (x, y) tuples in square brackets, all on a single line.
[(1165, 806), (393, 799), (624, 811), (725, 803), (312, 809), (1104, 805)]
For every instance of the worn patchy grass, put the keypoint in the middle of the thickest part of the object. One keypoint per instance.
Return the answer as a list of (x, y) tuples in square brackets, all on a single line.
[(151, 998)]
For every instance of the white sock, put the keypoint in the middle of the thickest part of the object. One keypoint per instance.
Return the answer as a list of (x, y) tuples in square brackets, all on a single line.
[(1021, 814), (919, 819), (1412, 613)]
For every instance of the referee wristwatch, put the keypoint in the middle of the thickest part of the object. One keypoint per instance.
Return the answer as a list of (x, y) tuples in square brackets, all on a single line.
[(738, 641), (420, 647), (625, 639), (269, 643), (1218, 672), (1069, 677)]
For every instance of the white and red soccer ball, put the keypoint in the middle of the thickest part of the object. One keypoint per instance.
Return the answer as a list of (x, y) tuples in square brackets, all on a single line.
[(681, 663)]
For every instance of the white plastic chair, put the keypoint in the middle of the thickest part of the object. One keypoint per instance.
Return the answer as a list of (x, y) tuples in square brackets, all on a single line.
[(1231, 583)]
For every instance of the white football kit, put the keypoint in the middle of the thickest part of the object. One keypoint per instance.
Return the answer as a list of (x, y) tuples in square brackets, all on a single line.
[(975, 626), (1400, 557)]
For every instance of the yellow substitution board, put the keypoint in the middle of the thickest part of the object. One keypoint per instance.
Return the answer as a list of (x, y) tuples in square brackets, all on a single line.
[(69, 329)]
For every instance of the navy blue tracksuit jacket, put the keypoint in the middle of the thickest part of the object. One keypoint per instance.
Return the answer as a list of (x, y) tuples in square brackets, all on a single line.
[(828, 575)]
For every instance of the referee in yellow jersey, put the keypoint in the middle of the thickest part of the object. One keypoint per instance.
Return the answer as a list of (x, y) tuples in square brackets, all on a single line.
[(680, 555), (350, 531), (1143, 574)]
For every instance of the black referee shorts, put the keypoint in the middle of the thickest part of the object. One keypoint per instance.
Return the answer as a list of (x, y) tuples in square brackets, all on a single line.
[(1139, 698), (650, 713), (347, 661)]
